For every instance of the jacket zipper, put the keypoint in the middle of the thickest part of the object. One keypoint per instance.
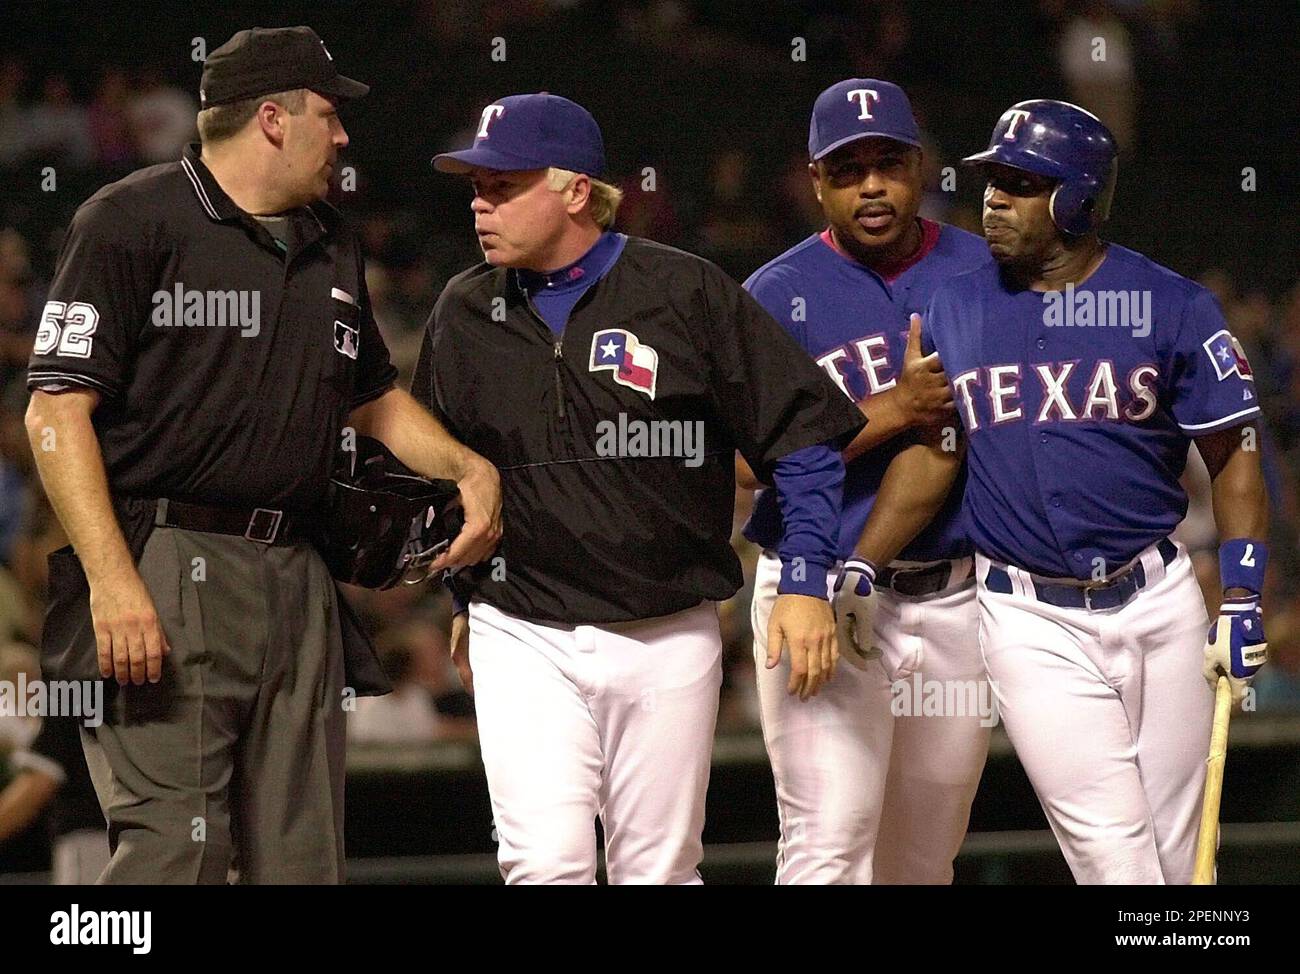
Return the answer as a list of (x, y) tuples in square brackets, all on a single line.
[(559, 384), (557, 358)]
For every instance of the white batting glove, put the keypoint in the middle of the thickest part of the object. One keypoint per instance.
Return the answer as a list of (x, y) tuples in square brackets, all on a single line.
[(1235, 646), (855, 610)]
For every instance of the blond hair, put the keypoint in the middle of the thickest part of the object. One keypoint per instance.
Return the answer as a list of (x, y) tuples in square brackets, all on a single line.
[(605, 197), (221, 122)]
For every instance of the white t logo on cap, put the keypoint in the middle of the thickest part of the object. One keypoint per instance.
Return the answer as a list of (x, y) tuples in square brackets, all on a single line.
[(865, 97), (1018, 115), (489, 113)]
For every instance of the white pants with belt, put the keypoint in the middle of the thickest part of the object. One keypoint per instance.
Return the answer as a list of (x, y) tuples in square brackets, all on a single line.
[(873, 785), (614, 721), (1110, 716)]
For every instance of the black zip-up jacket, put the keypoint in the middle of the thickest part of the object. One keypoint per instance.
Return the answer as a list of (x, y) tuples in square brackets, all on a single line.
[(594, 538)]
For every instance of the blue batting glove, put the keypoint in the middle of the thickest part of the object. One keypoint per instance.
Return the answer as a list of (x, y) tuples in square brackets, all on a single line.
[(1236, 645)]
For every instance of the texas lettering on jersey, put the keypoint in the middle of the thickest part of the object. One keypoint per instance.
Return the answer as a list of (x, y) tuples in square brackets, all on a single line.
[(1078, 434), (993, 394), (864, 364)]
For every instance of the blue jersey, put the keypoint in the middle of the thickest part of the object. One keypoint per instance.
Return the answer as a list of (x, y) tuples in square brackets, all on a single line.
[(854, 322), (1079, 406)]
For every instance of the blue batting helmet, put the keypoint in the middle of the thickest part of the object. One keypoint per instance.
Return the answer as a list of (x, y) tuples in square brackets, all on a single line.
[(1065, 143)]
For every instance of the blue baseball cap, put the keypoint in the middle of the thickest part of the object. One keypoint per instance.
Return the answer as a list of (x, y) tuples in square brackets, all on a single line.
[(531, 132), (860, 108)]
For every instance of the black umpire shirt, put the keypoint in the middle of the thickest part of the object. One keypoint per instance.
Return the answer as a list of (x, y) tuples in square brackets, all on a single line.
[(227, 361), (595, 530)]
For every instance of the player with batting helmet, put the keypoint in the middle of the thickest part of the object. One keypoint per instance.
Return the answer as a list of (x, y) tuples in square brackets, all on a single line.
[(1083, 371)]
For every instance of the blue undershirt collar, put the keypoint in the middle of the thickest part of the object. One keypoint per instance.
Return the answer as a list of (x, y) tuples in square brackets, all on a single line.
[(588, 268), (555, 294)]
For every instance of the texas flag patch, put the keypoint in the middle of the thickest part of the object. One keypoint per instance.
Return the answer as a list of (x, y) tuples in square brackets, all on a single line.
[(1228, 356), (634, 365)]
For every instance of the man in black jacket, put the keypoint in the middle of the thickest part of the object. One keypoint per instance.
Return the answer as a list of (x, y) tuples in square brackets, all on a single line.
[(611, 379)]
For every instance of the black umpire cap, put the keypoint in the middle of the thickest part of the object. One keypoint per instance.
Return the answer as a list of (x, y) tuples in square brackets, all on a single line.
[(263, 60)]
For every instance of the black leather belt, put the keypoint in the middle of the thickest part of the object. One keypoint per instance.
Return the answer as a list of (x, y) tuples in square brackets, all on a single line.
[(916, 582), (260, 524), (1110, 594)]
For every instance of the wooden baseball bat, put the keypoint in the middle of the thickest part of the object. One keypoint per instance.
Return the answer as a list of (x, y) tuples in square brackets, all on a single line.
[(1207, 841)]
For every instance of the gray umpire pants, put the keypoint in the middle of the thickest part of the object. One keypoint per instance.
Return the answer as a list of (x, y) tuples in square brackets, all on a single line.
[(236, 756)]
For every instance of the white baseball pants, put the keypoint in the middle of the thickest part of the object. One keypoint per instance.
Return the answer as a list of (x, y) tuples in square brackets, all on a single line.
[(614, 721), (1110, 716), (863, 795)]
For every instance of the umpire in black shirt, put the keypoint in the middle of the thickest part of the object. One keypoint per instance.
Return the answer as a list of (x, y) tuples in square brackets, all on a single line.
[(207, 347)]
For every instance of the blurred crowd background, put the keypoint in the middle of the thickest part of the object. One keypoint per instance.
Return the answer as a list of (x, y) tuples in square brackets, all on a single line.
[(705, 109)]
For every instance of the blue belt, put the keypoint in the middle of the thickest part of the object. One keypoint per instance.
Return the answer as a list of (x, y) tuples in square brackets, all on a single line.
[(1110, 594)]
